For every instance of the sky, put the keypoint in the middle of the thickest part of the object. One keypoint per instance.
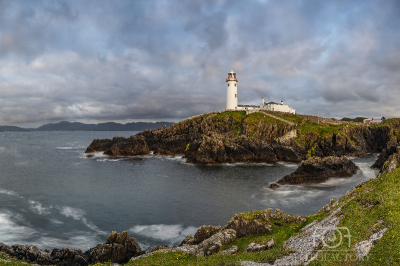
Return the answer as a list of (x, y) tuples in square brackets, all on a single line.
[(166, 60)]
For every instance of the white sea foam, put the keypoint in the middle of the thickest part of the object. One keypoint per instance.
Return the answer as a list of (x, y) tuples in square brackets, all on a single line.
[(10, 231), (109, 160), (55, 221), (9, 192), (287, 164), (79, 215), (38, 208), (80, 240), (171, 233), (64, 148)]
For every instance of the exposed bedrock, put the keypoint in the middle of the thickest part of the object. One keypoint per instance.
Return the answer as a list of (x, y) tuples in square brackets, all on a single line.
[(384, 156), (120, 146), (119, 248), (315, 170), (230, 137)]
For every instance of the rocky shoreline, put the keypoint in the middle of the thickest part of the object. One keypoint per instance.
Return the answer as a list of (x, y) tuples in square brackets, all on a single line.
[(121, 248), (261, 137)]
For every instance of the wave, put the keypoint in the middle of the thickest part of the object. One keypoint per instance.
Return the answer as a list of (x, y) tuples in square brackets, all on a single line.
[(38, 208), (79, 215), (9, 192), (171, 233), (11, 232), (80, 240), (109, 160)]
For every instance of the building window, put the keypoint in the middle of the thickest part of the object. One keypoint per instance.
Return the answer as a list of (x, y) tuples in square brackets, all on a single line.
[(235, 84), (235, 95), (228, 84)]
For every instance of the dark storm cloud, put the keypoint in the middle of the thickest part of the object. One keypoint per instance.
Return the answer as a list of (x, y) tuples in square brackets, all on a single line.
[(166, 60)]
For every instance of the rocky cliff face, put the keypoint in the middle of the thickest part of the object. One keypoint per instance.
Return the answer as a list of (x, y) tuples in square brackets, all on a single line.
[(316, 169), (230, 137)]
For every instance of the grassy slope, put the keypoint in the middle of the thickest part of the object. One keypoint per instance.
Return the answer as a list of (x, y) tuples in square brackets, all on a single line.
[(358, 218)]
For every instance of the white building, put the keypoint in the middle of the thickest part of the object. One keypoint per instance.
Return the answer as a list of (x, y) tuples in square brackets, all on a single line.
[(231, 99), (231, 91)]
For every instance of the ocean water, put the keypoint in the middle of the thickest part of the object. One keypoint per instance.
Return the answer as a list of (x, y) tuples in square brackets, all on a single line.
[(53, 196)]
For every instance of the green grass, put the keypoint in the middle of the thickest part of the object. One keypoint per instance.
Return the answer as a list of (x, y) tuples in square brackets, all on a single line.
[(291, 118), (320, 130), (280, 233), (360, 219), (359, 216)]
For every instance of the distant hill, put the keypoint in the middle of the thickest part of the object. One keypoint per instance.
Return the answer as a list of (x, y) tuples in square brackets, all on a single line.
[(357, 119), (109, 126), (12, 128)]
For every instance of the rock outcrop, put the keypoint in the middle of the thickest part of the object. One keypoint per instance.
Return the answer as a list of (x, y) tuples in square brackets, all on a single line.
[(120, 146), (391, 163), (315, 170), (119, 248), (230, 137), (215, 242), (203, 233), (257, 247)]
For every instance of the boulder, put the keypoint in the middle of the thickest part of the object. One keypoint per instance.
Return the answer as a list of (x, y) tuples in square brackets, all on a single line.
[(315, 170), (68, 257), (215, 242), (203, 233), (256, 247), (274, 186), (119, 248), (245, 227), (230, 251)]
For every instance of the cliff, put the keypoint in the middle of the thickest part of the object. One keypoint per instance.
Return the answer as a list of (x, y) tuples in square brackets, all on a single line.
[(259, 137)]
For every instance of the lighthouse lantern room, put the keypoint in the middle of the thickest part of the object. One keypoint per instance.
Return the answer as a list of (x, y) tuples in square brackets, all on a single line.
[(231, 93)]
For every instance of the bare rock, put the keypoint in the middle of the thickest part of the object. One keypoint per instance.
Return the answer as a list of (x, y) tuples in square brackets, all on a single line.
[(364, 247), (245, 227), (119, 248), (135, 145), (274, 186), (315, 170), (230, 251), (204, 232), (254, 247), (215, 242), (68, 256)]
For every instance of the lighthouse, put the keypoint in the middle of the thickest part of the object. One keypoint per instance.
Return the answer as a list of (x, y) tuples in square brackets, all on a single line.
[(231, 91)]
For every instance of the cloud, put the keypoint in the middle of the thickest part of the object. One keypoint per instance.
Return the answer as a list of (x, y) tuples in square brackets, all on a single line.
[(167, 60)]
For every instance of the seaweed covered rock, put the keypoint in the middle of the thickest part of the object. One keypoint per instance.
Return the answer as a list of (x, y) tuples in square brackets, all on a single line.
[(315, 170)]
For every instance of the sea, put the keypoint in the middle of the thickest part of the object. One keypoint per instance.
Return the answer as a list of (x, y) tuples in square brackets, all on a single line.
[(53, 196)]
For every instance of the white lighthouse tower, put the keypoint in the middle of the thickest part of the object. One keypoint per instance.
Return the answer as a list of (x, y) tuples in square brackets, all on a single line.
[(231, 91)]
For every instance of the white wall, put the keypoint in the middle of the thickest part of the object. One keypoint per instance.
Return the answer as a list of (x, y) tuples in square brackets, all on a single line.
[(231, 94)]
